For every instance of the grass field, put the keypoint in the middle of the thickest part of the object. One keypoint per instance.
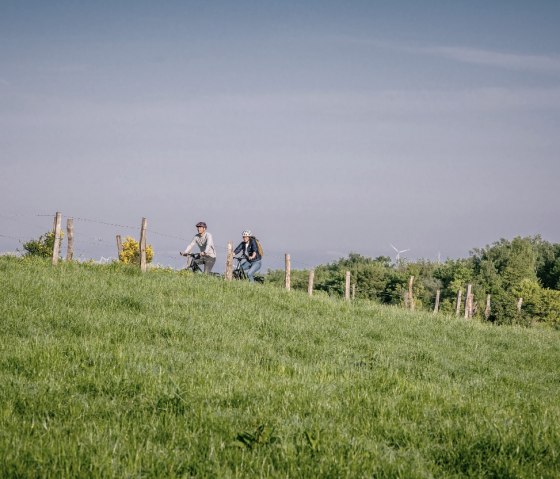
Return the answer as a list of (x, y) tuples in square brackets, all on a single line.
[(107, 372)]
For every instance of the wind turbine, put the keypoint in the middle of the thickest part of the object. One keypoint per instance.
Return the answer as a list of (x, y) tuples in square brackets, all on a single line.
[(398, 256)]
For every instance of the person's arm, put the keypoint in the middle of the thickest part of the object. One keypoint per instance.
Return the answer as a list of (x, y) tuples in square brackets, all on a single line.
[(253, 254), (238, 249), (210, 250), (190, 247)]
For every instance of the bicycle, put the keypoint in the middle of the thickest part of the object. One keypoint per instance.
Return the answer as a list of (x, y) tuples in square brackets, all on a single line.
[(195, 266), (241, 274)]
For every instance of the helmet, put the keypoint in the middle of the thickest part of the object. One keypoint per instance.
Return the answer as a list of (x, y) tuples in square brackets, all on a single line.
[(246, 233), (201, 223)]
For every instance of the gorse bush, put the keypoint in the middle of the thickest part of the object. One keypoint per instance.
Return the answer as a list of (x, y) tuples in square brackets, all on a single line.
[(131, 252), (42, 246)]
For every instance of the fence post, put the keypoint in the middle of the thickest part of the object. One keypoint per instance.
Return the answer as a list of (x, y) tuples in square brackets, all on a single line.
[(519, 304), (56, 246), (143, 244), (119, 246), (70, 239), (436, 306), (347, 286), (487, 310), (310, 283), (458, 306), (410, 295), (287, 259), (229, 262), (468, 302), (353, 290)]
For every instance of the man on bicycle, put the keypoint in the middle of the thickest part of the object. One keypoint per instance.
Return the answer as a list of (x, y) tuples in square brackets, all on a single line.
[(251, 262), (204, 241)]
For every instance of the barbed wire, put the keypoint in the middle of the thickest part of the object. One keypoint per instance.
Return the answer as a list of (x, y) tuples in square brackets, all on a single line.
[(106, 223), (272, 258), (11, 237), (117, 225), (167, 235), (22, 218)]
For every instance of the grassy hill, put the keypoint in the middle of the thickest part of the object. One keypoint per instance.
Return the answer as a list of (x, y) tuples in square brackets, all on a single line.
[(105, 372)]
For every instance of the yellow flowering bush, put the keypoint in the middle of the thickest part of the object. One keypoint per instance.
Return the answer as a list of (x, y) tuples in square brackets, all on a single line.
[(131, 252)]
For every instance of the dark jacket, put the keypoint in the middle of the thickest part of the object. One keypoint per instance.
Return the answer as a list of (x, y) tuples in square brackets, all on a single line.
[(251, 248)]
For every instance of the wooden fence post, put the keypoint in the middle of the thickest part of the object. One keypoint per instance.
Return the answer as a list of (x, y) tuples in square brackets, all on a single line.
[(70, 239), (468, 302), (310, 283), (143, 244), (347, 286), (410, 295), (229, 262), (354, 291), (119, 247), (519, 304), (287, 277), (56, 246), (487, 310), (458, 306), (436, 306)]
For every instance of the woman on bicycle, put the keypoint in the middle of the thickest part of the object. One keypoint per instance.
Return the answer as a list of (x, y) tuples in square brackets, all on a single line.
[(204, 241), (251, 262)]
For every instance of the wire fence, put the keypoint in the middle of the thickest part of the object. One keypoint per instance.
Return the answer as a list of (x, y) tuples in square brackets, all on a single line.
[(99, 244), (101, 247)]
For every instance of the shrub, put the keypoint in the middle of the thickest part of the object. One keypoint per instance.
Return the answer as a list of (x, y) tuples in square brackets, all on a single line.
[(539, 304), (131, 252), (42, 247)]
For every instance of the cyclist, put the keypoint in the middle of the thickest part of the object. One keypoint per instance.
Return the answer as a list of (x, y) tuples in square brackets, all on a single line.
[(203, 239), (251, 262)]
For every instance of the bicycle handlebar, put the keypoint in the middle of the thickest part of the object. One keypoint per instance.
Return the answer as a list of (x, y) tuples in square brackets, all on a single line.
[(194, 255)]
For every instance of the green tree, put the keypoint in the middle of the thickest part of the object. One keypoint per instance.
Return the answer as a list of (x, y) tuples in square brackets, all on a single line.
[(548, 263), (501, 270), (453, 275)]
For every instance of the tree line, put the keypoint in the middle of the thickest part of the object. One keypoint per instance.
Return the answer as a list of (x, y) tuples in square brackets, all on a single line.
[(507, 270)]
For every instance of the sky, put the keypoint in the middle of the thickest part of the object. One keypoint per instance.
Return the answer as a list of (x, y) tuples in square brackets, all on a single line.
[(325, 127)]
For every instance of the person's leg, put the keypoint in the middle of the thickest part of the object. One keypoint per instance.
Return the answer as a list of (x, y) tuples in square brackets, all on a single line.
[(238, 271), (189, 261), (255, 266), (245, 265), (209, 264), (199, 262)]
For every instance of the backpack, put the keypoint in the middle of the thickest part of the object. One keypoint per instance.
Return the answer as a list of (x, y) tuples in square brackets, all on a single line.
[(259, 246)]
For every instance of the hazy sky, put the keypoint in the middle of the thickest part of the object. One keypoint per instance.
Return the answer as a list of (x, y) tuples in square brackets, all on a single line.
[(325, 127)]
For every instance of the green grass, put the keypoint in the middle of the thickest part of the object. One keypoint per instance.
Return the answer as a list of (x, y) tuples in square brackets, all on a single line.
[(107, 372)]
